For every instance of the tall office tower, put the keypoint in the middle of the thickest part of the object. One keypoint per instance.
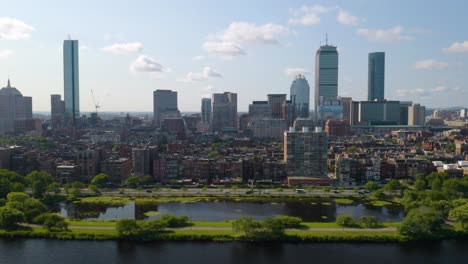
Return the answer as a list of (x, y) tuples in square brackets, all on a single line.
[(346, 104), (276, 101), (326, 74), (141, 162), (57, 110), (300, 96), (376, 76), (288, 112), (416, 115), (164, 105), (15, 110), (71, 85), (305, 153), (206, 110), (259, 109), (224, 112)]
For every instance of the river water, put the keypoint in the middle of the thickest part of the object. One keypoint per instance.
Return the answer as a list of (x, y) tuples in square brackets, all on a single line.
[(41, 251), (228, 210)]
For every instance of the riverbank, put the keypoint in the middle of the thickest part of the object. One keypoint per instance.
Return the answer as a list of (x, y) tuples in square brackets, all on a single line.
[(120, 201), (222, 231)]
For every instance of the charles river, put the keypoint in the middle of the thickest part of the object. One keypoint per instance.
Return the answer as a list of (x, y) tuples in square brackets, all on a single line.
[(40, 251)]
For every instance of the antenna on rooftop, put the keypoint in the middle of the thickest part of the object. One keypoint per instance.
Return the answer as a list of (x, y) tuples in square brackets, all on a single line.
[(326, 39)]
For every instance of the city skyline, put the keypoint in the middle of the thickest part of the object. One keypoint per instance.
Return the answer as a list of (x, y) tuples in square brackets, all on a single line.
[(123, 64)]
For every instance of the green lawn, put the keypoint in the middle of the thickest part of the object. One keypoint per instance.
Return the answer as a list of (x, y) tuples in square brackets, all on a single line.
[(343, 201), (91, 223)]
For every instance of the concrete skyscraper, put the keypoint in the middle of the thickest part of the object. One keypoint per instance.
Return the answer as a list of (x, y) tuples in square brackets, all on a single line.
[(164, 105), (326, 74), (71, 85), (376, 77), (15, 110), (57, 110), (300, 96), (224, 112)]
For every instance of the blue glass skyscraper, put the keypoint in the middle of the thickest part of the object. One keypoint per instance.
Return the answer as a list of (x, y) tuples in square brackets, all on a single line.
[(71, 85), (376, 78), (300, 96)]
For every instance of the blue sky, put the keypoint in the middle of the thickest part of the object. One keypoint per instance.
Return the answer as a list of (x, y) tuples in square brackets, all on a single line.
[(131, 48)]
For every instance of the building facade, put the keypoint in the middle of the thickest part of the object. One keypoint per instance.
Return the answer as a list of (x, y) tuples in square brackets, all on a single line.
[(305, 153), (376, 77), (164, 105), (276, 101), (224, 112), (300, 96), (326, 74), (71, 85), (14, 108), (206, 111)]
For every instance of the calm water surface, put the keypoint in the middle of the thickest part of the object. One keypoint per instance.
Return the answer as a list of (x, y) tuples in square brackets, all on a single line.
[(39, 251), (226, 210)]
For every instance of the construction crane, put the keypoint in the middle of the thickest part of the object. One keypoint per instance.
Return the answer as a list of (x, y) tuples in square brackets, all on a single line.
[(96, 105)]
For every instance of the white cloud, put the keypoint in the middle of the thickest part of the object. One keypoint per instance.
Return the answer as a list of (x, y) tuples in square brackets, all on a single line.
[(84, 48), (227, 44), (226, 50), (146, 64), (207, 74), (413, 92), (394, 34), (4, 54), (440, 89), (307, 15), (13, 29), (345, 18), (244, 32), (197, 58), (430, 64), (124, 48), (457, 47), (295, 71)]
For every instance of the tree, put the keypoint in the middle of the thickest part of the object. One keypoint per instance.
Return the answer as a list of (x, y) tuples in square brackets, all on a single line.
[(146, 180), (278, 224), (174, 221), (38, 181), (55, 187), (127, 228), (452, 187), (10, 182), (369, 221), (30, 207), (246, 225), (420, 185), (421, 223), (51, 222), (10, 217), (352, 149), (153, 226), (371, 186), (94, 188), (132, 181), (460, 214), (100, 180), (345, 221), (436, 184)]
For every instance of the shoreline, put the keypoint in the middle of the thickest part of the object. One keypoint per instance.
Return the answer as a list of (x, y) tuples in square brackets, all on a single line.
[(219, 234)]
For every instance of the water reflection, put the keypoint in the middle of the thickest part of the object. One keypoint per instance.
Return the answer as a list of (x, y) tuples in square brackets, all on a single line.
[(226, 210)]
